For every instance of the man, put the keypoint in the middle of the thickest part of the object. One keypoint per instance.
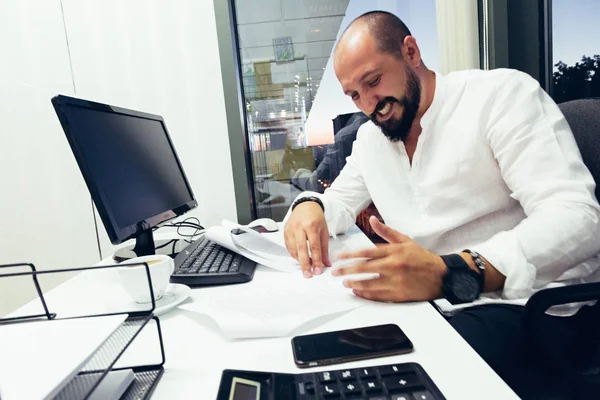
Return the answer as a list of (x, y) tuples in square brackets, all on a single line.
[(333, 161), (480, 183)]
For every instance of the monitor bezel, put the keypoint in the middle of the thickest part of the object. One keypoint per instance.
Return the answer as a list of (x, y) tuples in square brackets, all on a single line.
[(118, 235)]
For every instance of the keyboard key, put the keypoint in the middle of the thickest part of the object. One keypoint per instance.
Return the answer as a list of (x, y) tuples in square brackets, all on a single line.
[(367, 373), (226, 263), (351, 388), (347, 374), (378, 398), (402, 382), (387, 370), (424, 395), (371, 385), (325, 377), (330, 390)]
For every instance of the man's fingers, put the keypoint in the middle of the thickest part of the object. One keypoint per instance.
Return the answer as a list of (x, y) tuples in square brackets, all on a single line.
[(290, 244), (377, 252), (372, 266), (387, 233), (371, 295), (314, 241), (377, 284), (302, 250), (325, 247)]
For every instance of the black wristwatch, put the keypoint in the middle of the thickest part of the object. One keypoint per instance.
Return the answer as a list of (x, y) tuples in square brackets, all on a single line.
[(308, 198), (461, 284)]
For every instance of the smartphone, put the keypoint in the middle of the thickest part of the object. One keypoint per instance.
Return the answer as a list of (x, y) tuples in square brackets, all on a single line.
[(350, 345)]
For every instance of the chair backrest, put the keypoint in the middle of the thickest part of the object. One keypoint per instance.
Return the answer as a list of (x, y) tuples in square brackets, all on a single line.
[(583, 117)]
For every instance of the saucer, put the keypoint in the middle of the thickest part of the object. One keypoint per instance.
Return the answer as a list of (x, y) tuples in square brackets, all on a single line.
[(173, 296)]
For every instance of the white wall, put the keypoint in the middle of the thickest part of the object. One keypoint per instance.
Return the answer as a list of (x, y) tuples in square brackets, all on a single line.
[(45, 208), (154, 56), (160, 57)]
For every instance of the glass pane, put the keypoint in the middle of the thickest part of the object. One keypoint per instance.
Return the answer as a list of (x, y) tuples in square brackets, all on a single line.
[(575, 49), (295, 106)]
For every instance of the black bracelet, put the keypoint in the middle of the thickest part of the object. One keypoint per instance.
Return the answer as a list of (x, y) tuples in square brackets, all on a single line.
[(308, 198)]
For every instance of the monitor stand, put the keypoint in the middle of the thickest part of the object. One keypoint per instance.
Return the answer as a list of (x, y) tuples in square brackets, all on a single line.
[(144, 246)]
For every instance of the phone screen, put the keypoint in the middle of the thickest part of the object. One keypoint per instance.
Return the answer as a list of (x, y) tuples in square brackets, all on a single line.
[(350, 344)]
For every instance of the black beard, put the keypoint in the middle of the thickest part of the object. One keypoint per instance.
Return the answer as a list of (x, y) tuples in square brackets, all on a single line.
[(394, 129)]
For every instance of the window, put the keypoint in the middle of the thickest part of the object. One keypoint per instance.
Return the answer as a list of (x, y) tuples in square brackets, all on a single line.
[(575, 49), (294, 105)]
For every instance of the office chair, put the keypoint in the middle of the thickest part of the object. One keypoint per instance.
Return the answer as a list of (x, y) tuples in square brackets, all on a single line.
[(582, 372)]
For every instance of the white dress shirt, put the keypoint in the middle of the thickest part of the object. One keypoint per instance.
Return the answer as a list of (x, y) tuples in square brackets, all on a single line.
[(496, 170)]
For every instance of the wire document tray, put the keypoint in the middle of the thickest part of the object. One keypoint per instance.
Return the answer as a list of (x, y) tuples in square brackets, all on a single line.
[(107, 357)]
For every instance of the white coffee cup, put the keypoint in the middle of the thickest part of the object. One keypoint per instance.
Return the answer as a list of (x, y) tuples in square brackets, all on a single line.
[(135, 280)]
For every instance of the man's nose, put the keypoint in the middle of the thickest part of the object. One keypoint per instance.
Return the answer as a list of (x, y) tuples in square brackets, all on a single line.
[(370, 104)]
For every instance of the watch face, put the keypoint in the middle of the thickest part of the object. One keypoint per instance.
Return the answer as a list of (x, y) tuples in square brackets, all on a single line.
[(465, 287)]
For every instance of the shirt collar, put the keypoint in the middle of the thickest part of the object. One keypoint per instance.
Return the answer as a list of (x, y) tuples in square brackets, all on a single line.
[(436, 104)]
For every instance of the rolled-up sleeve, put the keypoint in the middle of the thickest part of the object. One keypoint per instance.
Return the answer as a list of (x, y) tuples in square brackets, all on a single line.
[(541, 164)]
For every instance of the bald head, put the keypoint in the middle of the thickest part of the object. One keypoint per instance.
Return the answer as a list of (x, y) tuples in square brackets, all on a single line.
[(385, 29)]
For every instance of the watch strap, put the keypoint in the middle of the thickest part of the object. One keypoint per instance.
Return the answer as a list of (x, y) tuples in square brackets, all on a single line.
[(479, 263)]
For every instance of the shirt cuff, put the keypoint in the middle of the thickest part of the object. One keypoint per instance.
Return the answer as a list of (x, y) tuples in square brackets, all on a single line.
[(504, 253)]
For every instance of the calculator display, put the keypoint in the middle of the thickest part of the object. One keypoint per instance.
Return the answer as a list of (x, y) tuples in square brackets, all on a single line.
[(244, 389)]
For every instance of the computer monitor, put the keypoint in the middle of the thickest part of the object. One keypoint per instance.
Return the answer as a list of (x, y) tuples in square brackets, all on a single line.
[(130, 167)]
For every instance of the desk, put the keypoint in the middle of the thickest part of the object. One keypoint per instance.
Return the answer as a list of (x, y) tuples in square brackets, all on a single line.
[(196, 353)]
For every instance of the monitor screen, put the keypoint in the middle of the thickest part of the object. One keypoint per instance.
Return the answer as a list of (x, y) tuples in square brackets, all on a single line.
[(129, 164)]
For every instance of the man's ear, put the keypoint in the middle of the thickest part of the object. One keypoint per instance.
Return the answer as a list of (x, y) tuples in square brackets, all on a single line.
[(411, 51)]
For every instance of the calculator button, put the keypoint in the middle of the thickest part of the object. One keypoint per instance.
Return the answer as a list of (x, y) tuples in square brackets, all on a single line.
[(402, 396), (330, 390), (425, 395), (351, 388), (402, 382), (367, 373), (394, 369), (346, 374), (326, 377), (371, 385), (309, 387)]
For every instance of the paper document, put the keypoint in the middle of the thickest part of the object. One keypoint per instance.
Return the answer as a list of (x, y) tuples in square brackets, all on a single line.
[(263, 248), (37, 359), (269, 249), (275, 304)]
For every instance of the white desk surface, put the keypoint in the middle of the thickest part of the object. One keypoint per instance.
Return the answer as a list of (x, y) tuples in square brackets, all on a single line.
[(196, 352)]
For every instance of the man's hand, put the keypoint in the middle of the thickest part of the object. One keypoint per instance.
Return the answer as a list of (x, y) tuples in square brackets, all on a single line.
[(307, 222), (407, 272)]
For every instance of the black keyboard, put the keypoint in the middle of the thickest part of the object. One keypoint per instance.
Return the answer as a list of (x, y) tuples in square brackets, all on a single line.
[(204, 262), (403, 381)]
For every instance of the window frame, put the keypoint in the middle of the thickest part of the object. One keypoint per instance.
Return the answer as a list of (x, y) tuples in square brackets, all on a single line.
[(235, 110)]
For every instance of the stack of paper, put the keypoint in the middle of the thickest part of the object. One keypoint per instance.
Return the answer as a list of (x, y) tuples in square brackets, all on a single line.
[(278, 303), (269, 249), (37, 359), (262, 248), (275, 305)]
